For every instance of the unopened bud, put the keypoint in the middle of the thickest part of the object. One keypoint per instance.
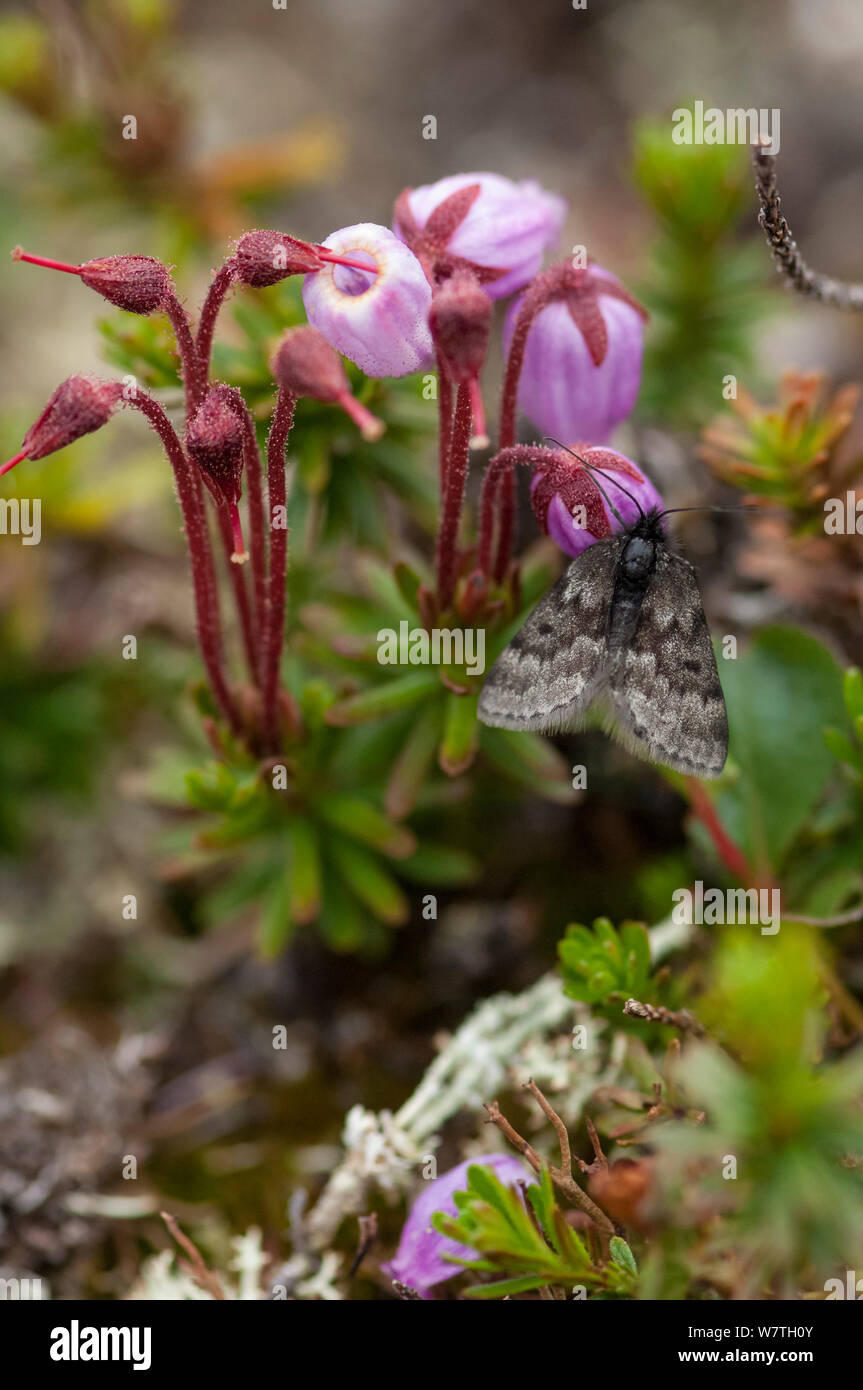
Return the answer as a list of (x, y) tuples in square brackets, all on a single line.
[(306, 364), (215, 439), (266, 257), (460, 321), (80, 405), (139, 284)]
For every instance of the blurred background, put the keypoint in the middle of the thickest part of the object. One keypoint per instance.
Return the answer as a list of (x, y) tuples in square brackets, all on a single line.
[(309, 118)]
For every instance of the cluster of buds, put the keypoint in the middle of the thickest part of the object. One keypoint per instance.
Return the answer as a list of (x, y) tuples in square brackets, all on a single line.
[(392, 301)]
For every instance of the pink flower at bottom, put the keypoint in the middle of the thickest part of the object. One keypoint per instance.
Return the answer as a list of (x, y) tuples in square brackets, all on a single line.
[(419, 1261)]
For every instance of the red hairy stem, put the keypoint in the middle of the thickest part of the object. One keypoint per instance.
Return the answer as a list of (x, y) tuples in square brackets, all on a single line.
[(215, 298), (444, 407), (193, 382), (509, 403), (227, 530), (280, 429), (456, 480), (257, 530), (502, 465), (197, 536)]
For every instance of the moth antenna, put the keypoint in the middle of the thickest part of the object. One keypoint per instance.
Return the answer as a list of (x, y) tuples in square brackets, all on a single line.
[(592, 468), (741, 507)]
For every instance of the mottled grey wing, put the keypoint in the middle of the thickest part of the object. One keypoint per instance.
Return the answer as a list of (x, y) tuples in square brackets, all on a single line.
[(664, 700), (553, 667)]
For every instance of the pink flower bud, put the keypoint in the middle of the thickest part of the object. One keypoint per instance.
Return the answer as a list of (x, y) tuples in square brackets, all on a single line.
[(378, 317), (138, 284), (214, 440), (305, 364), (266, 257), (80, 405), (460, 319)]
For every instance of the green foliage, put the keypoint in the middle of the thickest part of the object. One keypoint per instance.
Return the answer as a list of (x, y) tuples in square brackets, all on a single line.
[(306, 838), (528, 1249), (790, 1119), (702, 288), (442, 700), (848, 748), (780, 693), (605, 966)]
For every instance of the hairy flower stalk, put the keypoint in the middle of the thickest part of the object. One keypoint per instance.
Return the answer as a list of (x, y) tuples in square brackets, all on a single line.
[(191, 497), (453, 499), (280, 429), (460, 320)]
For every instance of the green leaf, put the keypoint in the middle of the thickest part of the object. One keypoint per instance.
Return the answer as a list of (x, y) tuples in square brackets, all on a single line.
[(402, 692), (274, 924), (305, 870), (375, 888), (440, 865), (622, 1255), (361, 821), (780, 694), (460, 734)]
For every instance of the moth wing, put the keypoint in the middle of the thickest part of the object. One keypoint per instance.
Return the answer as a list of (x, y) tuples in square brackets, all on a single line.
[(664, 700), (553, 667)]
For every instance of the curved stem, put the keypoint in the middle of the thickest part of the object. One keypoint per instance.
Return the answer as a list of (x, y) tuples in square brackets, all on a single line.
[(203, 574), (508, 407), (500, 466), (275, 610), (241, 593), (189, 363), (215, 298)]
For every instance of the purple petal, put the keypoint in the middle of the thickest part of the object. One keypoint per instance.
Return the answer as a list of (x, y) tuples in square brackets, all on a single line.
[(561, 390), (508, 228), (640, 494), (419, 1260), (379, 320)]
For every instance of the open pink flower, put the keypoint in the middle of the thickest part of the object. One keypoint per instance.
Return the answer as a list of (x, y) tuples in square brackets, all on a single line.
[(490, 225), (379, 318)]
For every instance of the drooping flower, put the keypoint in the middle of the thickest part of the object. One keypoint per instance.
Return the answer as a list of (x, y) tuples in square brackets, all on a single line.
[(139, 284), (379, 317), (214, 439), (305, 364), (80, 405), (582, 353), (490, 225), (568, 499), (419, 1261)]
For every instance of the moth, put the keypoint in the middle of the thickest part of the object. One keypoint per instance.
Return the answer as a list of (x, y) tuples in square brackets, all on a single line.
[(622, 636)]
